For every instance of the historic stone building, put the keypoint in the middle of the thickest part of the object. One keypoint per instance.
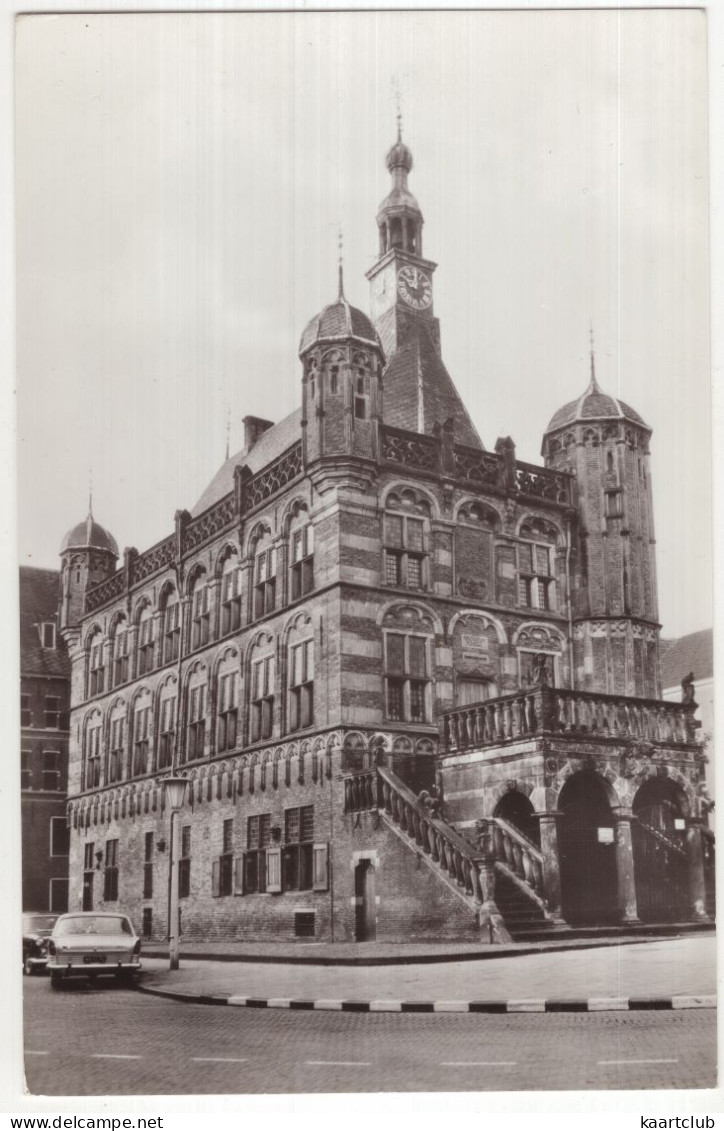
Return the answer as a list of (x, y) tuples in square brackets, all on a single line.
[(44, 700), (413, 683)]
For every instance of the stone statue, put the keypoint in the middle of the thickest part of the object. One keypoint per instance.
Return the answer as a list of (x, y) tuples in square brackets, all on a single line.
[(687, 688)]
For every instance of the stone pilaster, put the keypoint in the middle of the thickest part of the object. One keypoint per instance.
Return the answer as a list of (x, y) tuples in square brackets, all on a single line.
[(551, 863), (695, 859), (627, 907)]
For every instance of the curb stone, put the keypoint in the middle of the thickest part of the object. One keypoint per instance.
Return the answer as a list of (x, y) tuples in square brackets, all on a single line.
[(512, 1005)]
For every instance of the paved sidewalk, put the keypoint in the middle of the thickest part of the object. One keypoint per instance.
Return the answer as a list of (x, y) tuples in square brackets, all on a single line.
[(645, 973)]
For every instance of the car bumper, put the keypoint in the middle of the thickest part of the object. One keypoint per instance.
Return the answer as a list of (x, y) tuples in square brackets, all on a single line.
[(38, 962), (79, 969)]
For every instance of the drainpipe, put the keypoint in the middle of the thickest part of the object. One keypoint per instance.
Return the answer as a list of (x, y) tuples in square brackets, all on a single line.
[(571, 660)]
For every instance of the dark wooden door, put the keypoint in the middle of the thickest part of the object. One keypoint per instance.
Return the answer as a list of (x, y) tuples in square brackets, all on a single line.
[(588, 853), (365, 902), (88, 891)]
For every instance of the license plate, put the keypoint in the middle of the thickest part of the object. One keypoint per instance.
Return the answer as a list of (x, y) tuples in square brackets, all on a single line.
[(94, 958)]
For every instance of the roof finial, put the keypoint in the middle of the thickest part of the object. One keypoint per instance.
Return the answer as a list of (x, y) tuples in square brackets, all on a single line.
[(398, 101), (594, 382), (340, 244), (90, 492)]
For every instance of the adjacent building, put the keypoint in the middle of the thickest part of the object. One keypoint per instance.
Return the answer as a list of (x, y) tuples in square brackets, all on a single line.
[(44, 702), (414, 684)]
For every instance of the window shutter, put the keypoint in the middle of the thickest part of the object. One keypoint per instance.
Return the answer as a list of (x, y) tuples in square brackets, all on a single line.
[(274, 869), (320, 880), (216, 878), (239, 875)]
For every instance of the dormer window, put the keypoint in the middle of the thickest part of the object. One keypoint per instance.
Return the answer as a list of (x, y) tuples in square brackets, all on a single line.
[(47, 634)]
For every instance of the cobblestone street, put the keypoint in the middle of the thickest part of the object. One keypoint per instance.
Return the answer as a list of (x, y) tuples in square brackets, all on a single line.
[(110, 1041)]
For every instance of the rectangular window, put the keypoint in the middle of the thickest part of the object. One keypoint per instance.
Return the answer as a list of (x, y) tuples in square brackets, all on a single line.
[(536, 587), (115, 760), (93, 769), (301, 685), (51, 770), (196, 736), (228, 710), (230, 601), (96, 669), (142, 728), (26, 717), (147, 922), (47, 634), (110, 878), (167, 735), (52, 712), (145, 646), (184, 866), (258, 840), (171, 632), (265, 583), (302, 562), (148, 866), (262, 704), (201, 617), (298, 851), (88, 859), (120, 657), (404, 551), (406, 677), (59, 837), (26, 776), (226, 860)]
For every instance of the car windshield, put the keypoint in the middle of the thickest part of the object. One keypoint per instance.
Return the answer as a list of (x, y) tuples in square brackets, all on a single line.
[(40, 922), (94, 925)]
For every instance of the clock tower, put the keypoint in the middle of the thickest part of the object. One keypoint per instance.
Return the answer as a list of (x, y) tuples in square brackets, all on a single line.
[(401, 279)]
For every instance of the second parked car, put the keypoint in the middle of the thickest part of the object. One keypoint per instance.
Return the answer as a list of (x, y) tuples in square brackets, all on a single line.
[(90, 944)]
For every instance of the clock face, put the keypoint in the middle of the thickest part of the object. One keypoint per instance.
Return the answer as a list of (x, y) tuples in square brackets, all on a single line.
[(414, 286)]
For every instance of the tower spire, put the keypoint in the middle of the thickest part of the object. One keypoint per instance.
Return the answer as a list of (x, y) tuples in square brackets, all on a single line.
[(593, 387), (340, 244)]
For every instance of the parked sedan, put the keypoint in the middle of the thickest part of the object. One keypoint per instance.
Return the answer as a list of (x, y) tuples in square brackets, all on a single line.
[(36, 934), (92, 943)]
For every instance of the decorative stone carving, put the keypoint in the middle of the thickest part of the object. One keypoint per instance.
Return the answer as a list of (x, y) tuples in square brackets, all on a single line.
[(408, 449), (273, 478)]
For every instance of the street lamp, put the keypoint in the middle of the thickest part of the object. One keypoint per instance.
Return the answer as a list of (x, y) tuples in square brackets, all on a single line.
[(174, 791)]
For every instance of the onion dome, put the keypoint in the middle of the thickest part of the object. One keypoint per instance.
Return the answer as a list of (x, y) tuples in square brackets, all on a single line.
[(339, 322), (593, 405), (89, 535), (399, 156)]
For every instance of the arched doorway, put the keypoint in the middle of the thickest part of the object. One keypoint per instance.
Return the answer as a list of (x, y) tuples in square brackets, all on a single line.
[(659, 847), (365, 902), (515, 808), (587, 849)]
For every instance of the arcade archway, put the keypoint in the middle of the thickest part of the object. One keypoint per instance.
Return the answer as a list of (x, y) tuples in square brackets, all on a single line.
[(659, 847), (587, 852), (515, 808)]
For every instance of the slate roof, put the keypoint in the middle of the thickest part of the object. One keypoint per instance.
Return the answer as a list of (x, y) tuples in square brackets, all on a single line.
[(39, 598), (691, 653), (267, 448), (89, 533), (336, 322), (593, 405), (417, 363)]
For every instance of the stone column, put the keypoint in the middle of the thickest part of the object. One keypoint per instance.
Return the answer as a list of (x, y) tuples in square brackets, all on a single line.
[(551, 862), (627, 908), (695, 860)]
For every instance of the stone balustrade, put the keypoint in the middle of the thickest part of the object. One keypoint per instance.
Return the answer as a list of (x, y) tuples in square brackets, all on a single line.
[(521, 856), (555, 710), (361, 792)]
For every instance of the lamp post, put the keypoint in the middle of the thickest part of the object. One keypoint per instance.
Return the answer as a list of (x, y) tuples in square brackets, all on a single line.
[(174, 792)]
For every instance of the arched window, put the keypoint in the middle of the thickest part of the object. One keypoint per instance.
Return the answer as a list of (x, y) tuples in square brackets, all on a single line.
[(93, 752), (263, 687), (166, 727), (140, 761), (301, 675), (474, 534), (96, 664), (196, 718), (227, 699), (171, 627), (536, 562), (145, 641), (406, 538), (200, 612), (120, 652), (476, 659), (117, 744), (408, 642), (230, 596), (265, 577), (301, 554)]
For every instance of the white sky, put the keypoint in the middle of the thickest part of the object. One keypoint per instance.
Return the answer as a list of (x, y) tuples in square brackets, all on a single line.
[(180, 180)]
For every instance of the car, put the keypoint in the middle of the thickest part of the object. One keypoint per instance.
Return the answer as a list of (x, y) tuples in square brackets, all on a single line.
[(36, 933), (91, 944)]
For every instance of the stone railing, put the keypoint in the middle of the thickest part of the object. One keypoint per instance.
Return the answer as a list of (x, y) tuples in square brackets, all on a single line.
[(153, 560), (361, 792), (108, 590), (522, 858), (273, 478), (410, 449), (662, 839), (208, 524), (446, 848), (554, 710)]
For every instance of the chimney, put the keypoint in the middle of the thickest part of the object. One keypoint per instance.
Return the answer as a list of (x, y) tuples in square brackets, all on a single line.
[(254, 427)]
